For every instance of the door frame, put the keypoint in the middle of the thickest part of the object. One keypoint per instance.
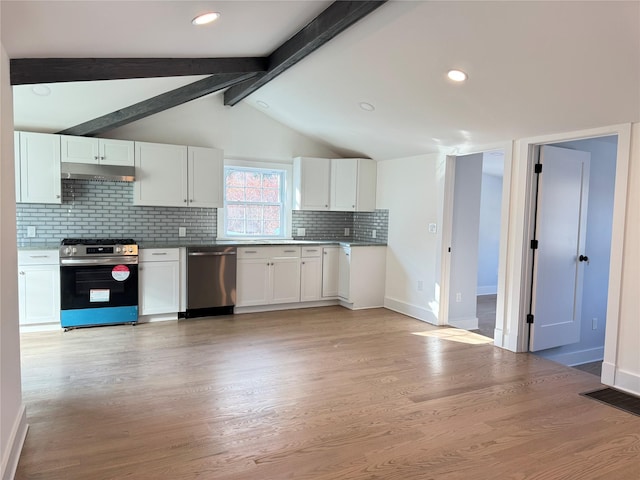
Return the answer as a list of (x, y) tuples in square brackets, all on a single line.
[(501, 327), (520, 256)]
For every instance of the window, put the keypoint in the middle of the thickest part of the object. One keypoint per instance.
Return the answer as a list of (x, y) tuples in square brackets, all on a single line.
[(254, 202)]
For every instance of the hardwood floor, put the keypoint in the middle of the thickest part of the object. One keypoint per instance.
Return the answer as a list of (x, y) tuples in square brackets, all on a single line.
[(323, 394)]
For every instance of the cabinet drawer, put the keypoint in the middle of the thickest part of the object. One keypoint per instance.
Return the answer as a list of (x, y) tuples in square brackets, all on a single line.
[(315, 251), (285, 252), (159, 254), (254, 252), (38, 257)]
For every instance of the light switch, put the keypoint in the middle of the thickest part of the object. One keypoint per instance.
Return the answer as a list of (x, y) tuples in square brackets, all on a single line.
[(31, 232), (433, 228), (182, 231), (301, 232)]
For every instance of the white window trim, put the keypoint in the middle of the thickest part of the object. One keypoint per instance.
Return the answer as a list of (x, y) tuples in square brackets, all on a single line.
[(287, 197)]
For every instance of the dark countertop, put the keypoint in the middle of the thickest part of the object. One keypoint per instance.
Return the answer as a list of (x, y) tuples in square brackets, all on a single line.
[(244, 243)]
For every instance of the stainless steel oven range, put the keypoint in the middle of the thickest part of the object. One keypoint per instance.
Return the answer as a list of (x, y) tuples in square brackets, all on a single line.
[(98, 282)]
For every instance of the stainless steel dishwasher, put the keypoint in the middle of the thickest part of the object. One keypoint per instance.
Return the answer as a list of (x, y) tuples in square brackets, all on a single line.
[(211, 281)]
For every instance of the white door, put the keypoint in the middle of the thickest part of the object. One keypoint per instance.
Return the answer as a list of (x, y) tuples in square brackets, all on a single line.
[(285, 280), (561, 231), (330, 271), (310, 279), (159, 287), (252, 282)]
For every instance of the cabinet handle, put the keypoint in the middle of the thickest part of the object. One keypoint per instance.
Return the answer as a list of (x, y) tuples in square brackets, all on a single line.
[(38, 256), (250, 251), (289, 251), (159, 253), (311, 250), (21, 273)]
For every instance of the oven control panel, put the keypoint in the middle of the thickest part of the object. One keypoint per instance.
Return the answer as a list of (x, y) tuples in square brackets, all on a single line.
[(97, 250)]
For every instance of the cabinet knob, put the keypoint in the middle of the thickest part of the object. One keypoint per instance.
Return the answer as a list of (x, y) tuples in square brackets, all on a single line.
[(21, 273), (101, 158), (185, 200), (96, 158), (191, 200), (57, 196)]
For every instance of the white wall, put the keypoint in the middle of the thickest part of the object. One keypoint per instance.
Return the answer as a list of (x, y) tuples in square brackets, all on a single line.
[(489, 234), (12, 415), (241, 131), (410, 188), (626, 364), (590, 348), (464, 241)]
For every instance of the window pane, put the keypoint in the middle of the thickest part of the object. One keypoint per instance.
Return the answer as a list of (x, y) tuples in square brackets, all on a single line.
[(271, 180), (253, 195), (272, 213), (235, 211), (235, 227), (252, 179), (235, 178), (254, 227), (234, 194), (271, 195), (254, 212), (272, 227)]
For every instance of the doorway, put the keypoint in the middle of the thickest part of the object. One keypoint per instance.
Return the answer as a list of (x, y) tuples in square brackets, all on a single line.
[(476, 214), (570, 316)]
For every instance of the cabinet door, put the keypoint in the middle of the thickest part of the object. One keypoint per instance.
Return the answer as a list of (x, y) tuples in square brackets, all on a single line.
[(205, 177), (159, 287), (161, 175), (117, 152), (344, 275), (252, 282), (344, 176), (16, 163), (39, 294), (330, 270), (79, 149), (310, 279), (40, 168), (366, 185), (311, 179), (285, 280)]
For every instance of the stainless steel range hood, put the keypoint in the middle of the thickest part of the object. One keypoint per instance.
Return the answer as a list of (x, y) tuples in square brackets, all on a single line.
[(86, 171)]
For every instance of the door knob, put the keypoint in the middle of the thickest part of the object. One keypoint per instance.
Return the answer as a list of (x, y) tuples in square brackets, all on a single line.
[(584, 258)]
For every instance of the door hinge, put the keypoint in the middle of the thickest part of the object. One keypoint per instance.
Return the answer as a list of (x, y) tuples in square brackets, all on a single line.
[(530, 318), (537, 168), (534, 244)]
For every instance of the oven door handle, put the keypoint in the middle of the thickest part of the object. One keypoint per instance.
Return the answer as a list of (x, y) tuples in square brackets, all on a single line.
[(99, 261)]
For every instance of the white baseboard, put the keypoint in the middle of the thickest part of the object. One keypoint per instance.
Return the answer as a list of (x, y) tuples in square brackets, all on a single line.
[(498, 337), (165, 317), (419, 313), (14, 445), (487, 290), (578, 357), (608, 374), (284, 306), (627, 382), (40, 327), (470, 323)]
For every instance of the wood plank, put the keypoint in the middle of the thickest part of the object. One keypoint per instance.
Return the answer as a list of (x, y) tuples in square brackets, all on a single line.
[(52, 70), (156, 104), (333, 20), (313, 394)]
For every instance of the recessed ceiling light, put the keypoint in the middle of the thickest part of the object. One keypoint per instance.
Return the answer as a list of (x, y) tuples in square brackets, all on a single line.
[(457, 75), (262, 104), (205, 18), (367, 107), (41, 90)]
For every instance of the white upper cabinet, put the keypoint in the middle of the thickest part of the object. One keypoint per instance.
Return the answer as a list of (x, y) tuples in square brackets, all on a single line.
[(38, 167), (340, 184), (178, 176), (311, 177), (206, 170), (97, 150), (353, 184), (161, 175)]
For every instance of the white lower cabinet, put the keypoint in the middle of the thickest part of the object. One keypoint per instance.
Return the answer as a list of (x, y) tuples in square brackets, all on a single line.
[(268, 275), (330, 270), (361, 280), (159, 281), (38, 287), (311, 274)]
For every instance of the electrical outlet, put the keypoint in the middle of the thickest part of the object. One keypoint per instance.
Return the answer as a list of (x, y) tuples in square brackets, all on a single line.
[(594, 323), (458, 297), (31, 232), (420, 285), (346, 232), (373, 234), (182, 231), (433, 228), (301, 232)]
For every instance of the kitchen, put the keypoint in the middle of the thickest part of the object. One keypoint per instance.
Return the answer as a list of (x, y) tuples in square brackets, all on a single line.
[(109, 208)]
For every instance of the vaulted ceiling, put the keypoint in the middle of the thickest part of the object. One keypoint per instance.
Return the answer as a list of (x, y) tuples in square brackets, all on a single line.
[(534, 67)]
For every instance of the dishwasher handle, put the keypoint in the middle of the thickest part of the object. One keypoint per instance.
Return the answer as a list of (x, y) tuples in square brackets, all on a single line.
[(208, 254)]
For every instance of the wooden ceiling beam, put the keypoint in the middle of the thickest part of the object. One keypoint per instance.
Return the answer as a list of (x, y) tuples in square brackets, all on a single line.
[(334, 19), (157, 104), (54, 70)]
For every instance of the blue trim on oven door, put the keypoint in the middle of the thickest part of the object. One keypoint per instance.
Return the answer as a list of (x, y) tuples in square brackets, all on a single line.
[(88, 317)]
